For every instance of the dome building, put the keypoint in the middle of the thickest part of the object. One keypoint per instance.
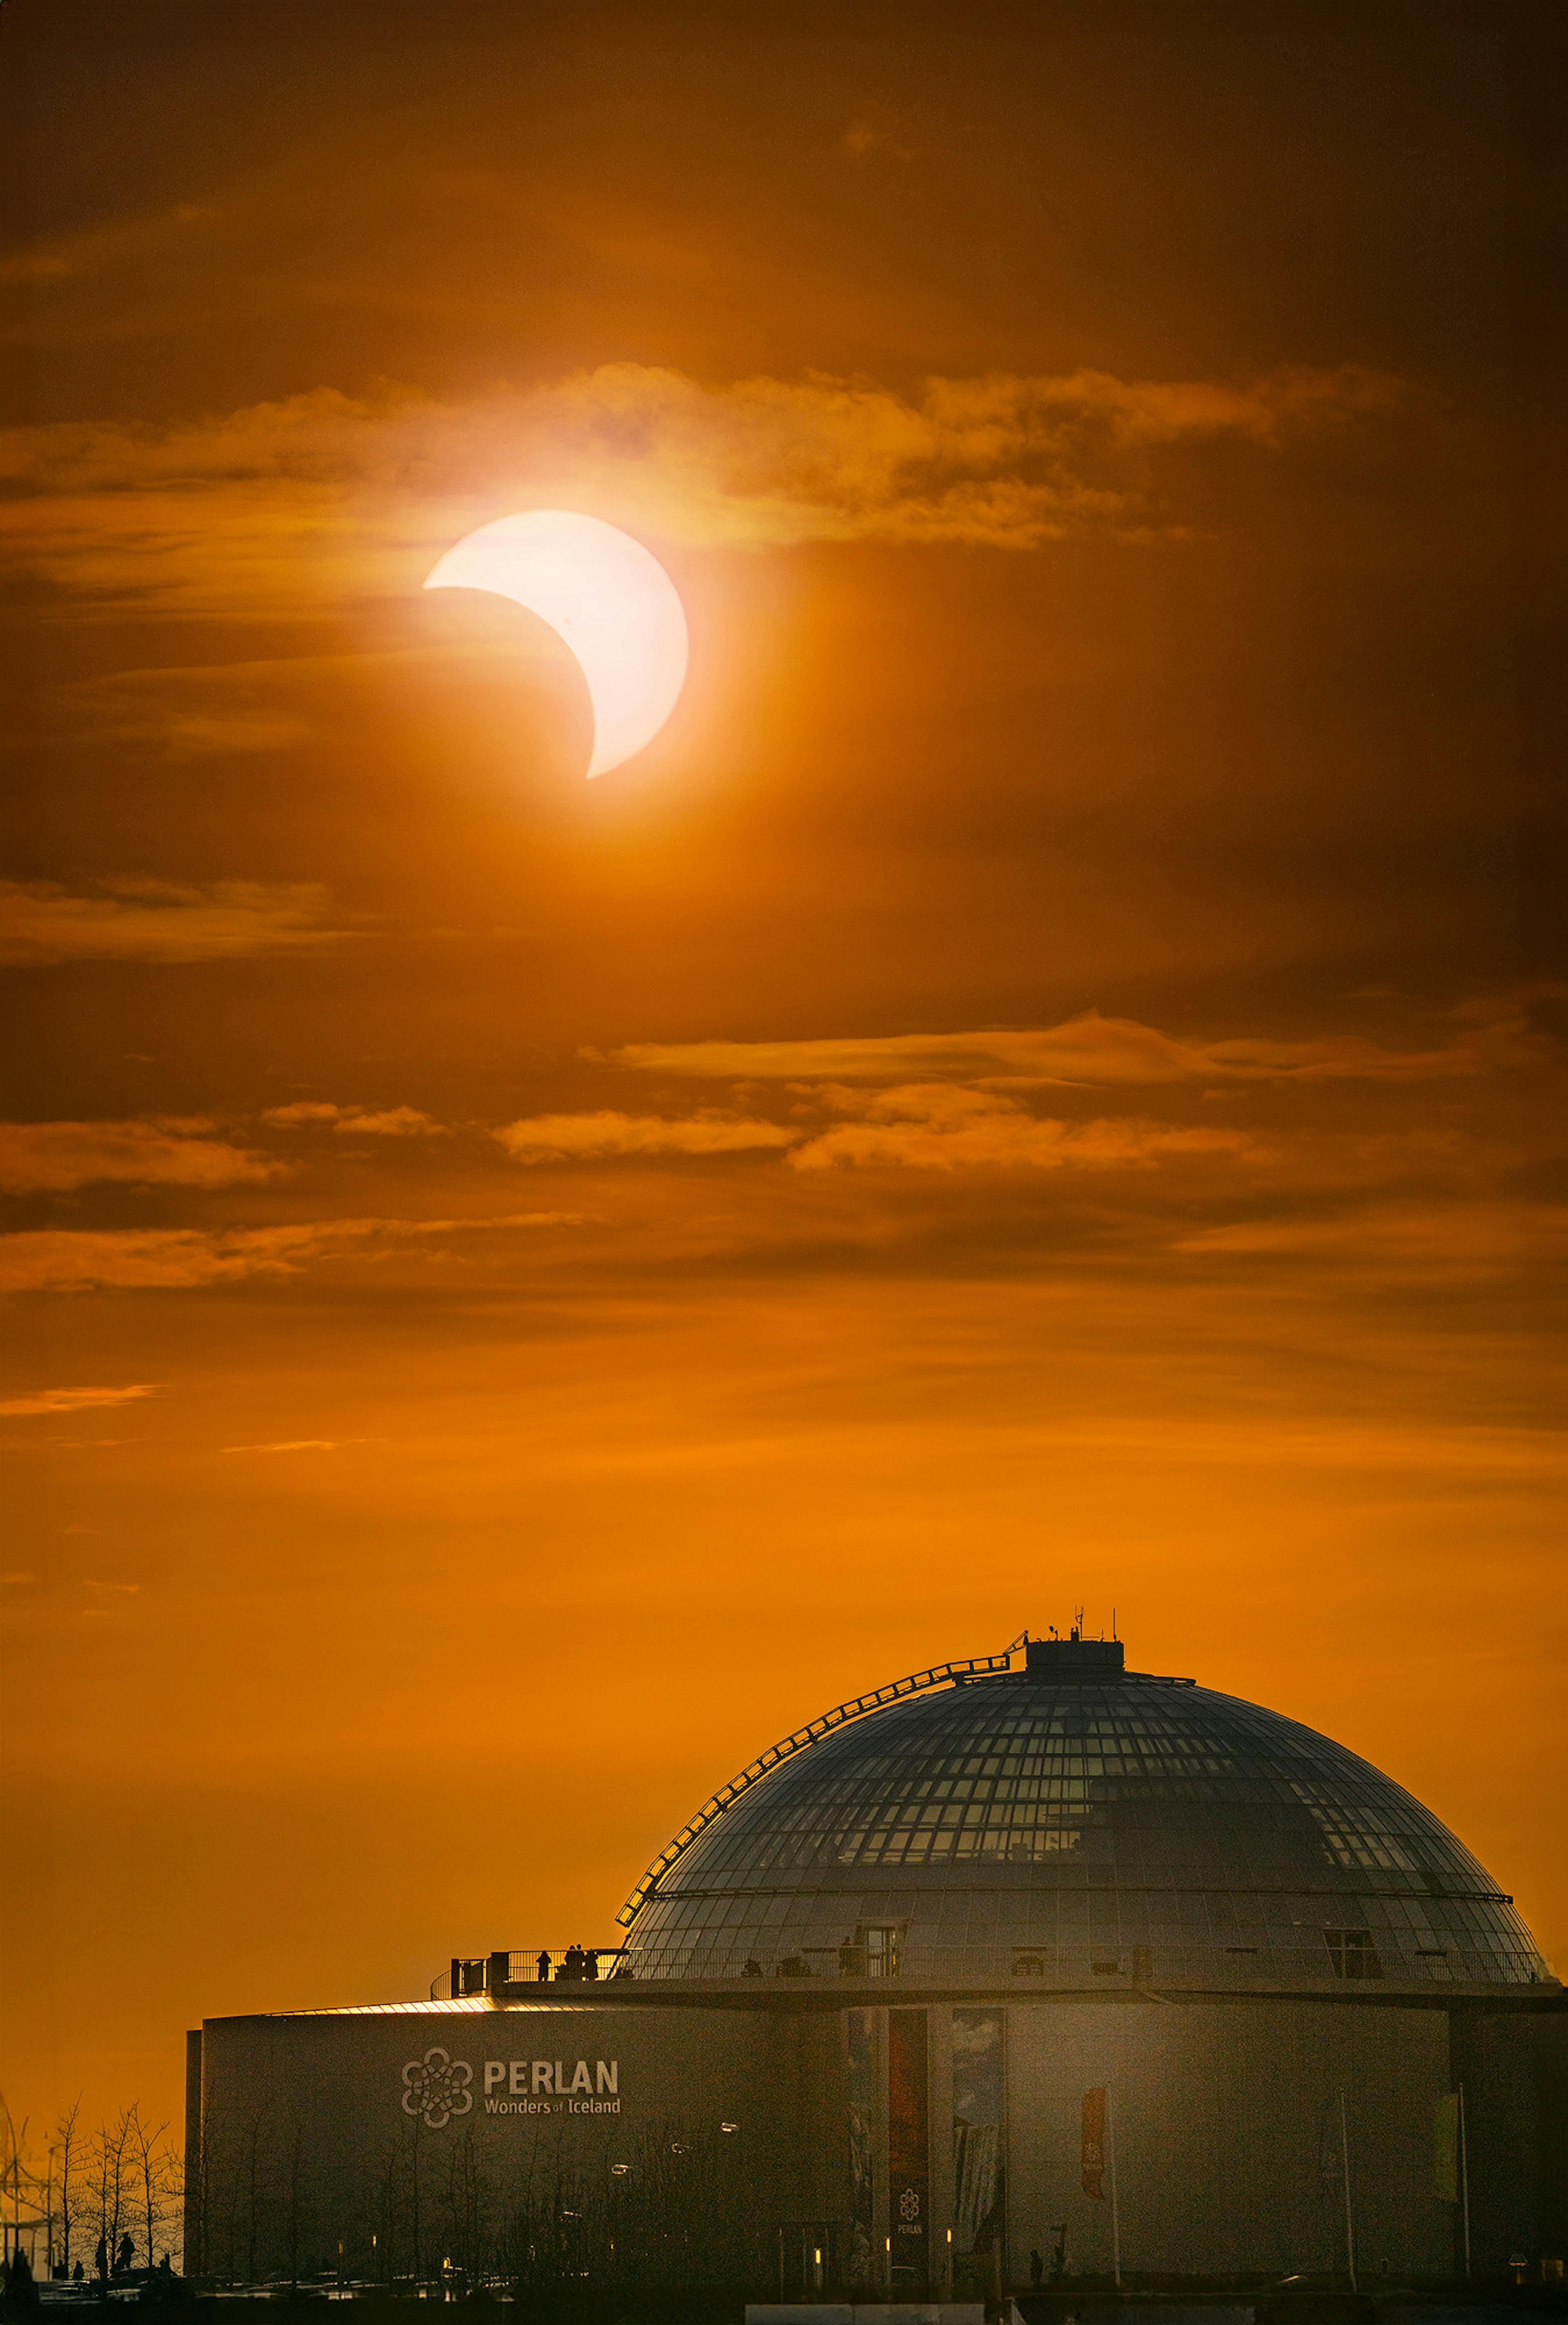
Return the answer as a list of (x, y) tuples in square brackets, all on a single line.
[(1021, 1968), (1069, 1820)]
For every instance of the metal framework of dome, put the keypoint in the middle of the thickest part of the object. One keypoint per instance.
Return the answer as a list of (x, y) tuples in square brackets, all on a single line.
[(939, 1675), (1071, 1824)]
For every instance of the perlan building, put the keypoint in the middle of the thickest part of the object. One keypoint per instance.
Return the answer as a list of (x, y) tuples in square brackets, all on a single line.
[(1024, 1969)]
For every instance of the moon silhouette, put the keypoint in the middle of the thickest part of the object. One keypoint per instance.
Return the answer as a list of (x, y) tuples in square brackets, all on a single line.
[(607, 596)]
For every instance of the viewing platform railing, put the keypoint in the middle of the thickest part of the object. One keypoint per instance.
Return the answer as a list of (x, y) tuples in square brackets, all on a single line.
[(1326, 1958), (538, 1966)]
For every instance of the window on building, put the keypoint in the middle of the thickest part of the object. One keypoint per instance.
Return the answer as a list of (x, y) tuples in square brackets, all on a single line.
[(1353, 1953), (874, 1951)]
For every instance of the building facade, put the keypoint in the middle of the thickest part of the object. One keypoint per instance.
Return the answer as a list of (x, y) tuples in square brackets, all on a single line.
[(1020, 1967)]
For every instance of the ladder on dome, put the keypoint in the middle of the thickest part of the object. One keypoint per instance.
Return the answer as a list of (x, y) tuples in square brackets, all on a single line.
[(977, 1666)]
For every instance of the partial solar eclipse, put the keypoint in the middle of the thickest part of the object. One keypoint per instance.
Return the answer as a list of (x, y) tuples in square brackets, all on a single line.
[(604, 594)]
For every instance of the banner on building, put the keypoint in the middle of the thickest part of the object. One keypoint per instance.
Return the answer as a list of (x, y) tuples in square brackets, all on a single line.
[(979, 2183), (909, 2151), (860, 2263), (1094, 2144), (1445, 2148)]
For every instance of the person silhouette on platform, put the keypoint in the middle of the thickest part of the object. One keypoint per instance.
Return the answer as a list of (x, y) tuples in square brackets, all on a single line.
[(78, 2274), (1036, 2269), (101, 2258), (544, 1969)]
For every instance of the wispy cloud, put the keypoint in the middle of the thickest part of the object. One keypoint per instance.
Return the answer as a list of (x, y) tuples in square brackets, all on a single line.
[(1478, 1234), (558, 1137), (37, 1157), (77, 1400), (939, 1126), (107, 1596), (943, 1129), (213, 512), (384, 1122), (170, 1258), (293, 1445), (220, 710), (42, 922), (1092, 1050)]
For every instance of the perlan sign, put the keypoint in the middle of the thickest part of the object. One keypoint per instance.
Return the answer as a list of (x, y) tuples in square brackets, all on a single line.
[(542, 2086), (436, 2088)]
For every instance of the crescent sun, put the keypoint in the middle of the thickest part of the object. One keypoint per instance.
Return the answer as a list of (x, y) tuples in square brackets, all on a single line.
[(607, 596)]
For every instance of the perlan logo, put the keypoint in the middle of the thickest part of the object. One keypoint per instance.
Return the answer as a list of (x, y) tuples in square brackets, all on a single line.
[(436, 2088)]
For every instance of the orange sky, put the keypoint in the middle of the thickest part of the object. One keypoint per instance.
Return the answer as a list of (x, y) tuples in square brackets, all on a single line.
[(1042, 1086)]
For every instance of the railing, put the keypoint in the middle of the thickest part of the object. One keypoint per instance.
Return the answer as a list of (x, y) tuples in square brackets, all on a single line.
[(1315, 1962), (495, 1973), (858, 1706)]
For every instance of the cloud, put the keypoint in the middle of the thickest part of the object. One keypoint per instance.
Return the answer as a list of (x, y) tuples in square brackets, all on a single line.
[(940, 1127), (77, 1400), (186, 1258), (1474, 1236), (326, 494), (98, 250), (42, 923), (205, 711), (1090, 1050), (558, 1137), (389, 1121), (53, 1156), (293, 1445)]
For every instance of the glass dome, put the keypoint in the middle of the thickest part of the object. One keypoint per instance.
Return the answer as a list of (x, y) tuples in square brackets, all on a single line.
[(1072, 1825)]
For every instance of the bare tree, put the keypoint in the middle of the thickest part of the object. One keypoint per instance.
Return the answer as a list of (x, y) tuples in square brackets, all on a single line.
[(155, 2176), (68, 2147), (108, 2166), (19, 2184)]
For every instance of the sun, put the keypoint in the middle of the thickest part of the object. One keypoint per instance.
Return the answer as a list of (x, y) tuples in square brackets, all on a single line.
[(607, 596)]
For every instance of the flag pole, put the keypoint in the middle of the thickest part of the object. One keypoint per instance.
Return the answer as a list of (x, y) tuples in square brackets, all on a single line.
[(1465, 2178), (1350, 2219), (1115, 2215)]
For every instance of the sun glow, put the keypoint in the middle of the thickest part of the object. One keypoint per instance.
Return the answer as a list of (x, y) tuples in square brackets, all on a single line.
[(605, 594)]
